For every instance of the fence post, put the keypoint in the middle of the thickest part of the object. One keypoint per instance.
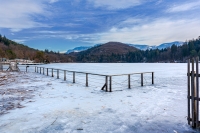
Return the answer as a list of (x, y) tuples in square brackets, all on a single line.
[(73, 77), (57, 73), (188, 96), (141, 79), (35, 68), (86, 79), (43, 70), (40, 70), (129, 81), (197, 92), (106, 83), (1, 66), (193, 95), (110, 83), (47, 71), (152, 77), (64, 75), (52, 72)]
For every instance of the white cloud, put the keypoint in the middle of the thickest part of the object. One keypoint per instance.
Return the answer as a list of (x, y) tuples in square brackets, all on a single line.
[(53, 1), (116, 4), (184, 7), (151, 32), (154, 32), (19, 40), (159, 2), (51, 32), (17, 14)]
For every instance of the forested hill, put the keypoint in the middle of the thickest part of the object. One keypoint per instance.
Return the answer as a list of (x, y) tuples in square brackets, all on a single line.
[(109, 52), (12, 50), (112, 52)]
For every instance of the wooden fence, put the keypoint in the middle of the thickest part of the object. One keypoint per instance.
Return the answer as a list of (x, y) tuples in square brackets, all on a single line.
[(12, 66), (193, 93), (107, 85)]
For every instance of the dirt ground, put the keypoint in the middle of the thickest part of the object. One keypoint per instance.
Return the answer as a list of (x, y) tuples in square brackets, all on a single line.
[(11, 98)]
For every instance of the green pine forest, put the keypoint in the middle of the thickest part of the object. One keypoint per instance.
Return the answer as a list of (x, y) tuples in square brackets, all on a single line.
[(175, 53)]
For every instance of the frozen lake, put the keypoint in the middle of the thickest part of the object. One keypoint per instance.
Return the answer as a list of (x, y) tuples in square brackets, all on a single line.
[(61, 106)]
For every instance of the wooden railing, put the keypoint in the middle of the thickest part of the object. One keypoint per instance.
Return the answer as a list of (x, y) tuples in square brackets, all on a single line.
[(107, 86)]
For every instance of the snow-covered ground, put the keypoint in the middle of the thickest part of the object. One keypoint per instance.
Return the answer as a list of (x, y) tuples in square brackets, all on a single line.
[(32, 102)]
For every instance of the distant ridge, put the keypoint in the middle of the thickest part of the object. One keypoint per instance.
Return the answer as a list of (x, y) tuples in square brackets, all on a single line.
[(111, 48), (161, 46), (78, 49), (138, 46), (81, 48)]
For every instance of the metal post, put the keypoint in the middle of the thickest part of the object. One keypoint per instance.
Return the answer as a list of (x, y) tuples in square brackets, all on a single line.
[(57, 73), (47, 71), (73, 77), (110, 83), (152, 77), (43, 70), (188, 96), (87, 79), (52, 72), (141, 79), (40, 70), (197, 92), (35, 68), (64, 75), (129, 81)]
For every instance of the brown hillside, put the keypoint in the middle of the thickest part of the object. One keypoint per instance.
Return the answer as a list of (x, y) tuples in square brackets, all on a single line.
[(111, 48), (14, 50)]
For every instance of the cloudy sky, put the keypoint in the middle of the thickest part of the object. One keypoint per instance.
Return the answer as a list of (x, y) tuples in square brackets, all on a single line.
[(60, 25)]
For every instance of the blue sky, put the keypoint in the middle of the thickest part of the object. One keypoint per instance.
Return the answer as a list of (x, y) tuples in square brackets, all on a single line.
[(60, 25)]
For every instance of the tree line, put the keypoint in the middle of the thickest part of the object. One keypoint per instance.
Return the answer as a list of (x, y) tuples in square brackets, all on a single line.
[(11, 50), (174, 53)]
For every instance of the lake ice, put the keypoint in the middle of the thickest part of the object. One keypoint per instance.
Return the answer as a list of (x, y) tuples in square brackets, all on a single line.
[(55, 105)]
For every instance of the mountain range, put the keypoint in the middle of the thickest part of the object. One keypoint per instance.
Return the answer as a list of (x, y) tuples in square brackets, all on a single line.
[(138, 46)]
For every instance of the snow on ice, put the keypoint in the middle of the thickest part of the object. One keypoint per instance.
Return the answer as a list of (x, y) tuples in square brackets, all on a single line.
[(32, 102)]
